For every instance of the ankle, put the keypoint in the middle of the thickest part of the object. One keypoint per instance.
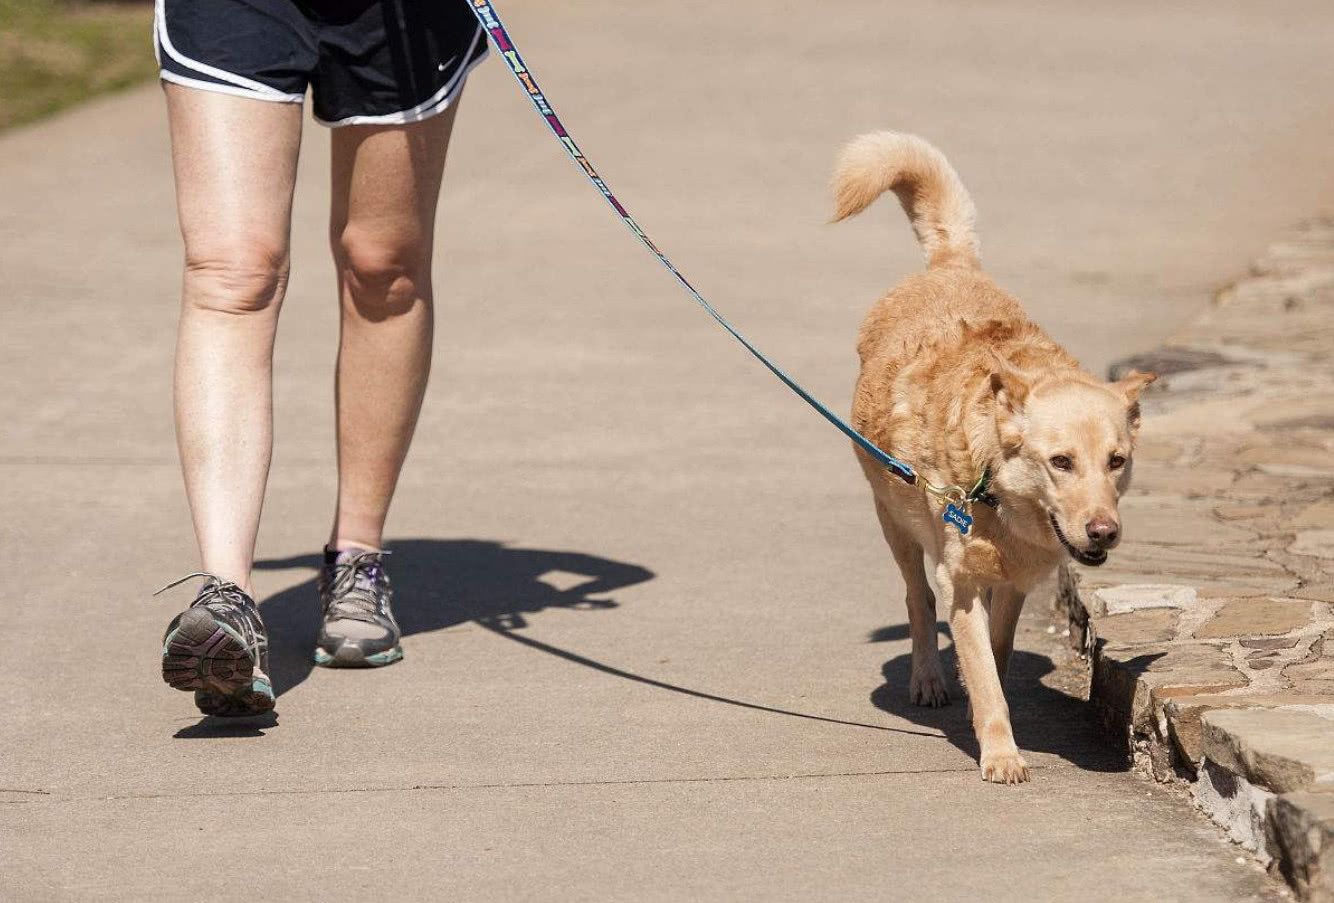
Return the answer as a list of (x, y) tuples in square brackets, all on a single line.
[(231, 576), (344, 543)]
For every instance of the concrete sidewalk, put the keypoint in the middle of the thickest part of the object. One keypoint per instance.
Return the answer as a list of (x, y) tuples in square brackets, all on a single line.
[(721, 712)]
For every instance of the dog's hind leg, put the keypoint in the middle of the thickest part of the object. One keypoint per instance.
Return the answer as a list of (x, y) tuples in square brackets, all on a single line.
[(1006, 604), (1000, 759), (926, 685)]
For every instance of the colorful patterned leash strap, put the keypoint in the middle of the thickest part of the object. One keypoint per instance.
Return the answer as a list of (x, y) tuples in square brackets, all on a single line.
[(486, 14)]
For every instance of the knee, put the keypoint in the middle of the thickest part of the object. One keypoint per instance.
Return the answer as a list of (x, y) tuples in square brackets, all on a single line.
[(382, 275), (235, 281)]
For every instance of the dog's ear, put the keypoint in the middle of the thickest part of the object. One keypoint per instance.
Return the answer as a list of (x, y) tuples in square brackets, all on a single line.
[(1009, 390), (1130, 386), (1133, 383)]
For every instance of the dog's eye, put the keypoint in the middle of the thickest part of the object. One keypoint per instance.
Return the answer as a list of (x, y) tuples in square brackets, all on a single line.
[(1116, 462), (1062, 462)]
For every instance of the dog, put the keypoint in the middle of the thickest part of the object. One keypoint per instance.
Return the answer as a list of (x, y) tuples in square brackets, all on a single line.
[(958, 382)]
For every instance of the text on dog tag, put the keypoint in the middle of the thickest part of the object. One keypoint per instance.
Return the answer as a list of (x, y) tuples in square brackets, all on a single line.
[(958, 517)]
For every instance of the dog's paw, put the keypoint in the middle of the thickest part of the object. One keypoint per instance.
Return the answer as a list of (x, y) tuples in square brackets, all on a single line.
[(1006, 767), (926, 686)]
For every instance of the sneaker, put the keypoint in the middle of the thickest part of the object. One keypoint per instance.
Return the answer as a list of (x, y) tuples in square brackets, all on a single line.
[(218, 648), (359, 629)]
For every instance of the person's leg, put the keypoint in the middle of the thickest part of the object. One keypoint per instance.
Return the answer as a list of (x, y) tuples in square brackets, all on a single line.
[(385, 183), (235, 164)]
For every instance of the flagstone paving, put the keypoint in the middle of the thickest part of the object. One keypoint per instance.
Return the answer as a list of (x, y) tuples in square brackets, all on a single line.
[(1212, 634)]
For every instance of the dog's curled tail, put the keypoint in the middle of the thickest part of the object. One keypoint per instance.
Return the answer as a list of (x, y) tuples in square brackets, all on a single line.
[(929, 189)]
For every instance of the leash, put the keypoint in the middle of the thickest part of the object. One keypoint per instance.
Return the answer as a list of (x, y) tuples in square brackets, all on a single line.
[(958, 498)]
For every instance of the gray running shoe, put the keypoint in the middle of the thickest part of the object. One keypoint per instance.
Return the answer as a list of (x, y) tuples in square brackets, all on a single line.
[(359, 629), (218, 648)]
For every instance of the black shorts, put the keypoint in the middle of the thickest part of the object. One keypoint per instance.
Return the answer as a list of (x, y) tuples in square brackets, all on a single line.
[(365, 61)]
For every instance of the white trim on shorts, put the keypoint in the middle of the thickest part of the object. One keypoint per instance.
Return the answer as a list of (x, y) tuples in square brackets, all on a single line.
[(175, 79), (236, 84), (436, 103)]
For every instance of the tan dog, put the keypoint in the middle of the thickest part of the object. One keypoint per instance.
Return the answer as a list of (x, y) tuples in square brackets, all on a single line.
[(958, 382)]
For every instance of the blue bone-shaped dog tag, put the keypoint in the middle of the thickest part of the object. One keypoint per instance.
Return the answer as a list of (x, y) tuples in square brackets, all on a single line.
[(957, 517)]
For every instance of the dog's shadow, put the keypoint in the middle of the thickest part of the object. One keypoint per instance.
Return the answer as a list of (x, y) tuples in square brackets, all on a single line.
[(440, 583), (1045, 720)]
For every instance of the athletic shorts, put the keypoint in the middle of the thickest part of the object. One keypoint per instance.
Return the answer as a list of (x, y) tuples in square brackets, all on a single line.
[(364, 61)]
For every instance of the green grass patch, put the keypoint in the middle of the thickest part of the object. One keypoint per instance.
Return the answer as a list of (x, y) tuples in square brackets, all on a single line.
[(54, 54)]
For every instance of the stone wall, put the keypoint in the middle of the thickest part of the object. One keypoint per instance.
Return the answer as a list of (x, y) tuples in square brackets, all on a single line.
[(1210, 633)]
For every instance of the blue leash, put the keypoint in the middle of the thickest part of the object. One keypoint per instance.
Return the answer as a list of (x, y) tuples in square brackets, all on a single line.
[(490, 20)]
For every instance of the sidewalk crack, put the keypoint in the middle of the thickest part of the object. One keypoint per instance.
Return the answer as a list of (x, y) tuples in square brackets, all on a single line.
[(506, 785)]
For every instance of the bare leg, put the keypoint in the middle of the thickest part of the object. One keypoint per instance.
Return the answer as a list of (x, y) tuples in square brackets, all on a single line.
[(926, 685), (1006, 604), (1000, 759), (235, 164), (385, 183)]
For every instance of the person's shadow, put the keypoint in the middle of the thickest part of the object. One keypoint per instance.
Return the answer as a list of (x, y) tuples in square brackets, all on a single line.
[(438, 583), (1044, 719), (441, 583)]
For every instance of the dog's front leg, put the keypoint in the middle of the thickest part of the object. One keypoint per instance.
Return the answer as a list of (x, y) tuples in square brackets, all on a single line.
[(969, 623), (1006, 605), (926, 685)]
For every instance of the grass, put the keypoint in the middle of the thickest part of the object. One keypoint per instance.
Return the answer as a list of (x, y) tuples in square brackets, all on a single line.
[(55, 54)]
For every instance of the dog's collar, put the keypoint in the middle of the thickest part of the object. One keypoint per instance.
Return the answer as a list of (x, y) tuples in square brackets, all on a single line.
[(981, 491), (959, 501), (966, 497)]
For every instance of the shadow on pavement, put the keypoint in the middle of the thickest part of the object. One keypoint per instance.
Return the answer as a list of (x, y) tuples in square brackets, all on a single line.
[(211, 727), (440, 583), (574, 657), (1045, 720)]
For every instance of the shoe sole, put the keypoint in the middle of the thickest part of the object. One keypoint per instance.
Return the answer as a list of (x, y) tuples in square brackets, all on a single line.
[(210, 658), (352, 657)]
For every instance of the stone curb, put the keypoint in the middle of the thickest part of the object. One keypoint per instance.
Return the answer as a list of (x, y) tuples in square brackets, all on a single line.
[(1210, 635)]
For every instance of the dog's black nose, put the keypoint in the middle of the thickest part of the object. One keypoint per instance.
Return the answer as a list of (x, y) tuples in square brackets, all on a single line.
[(1102, 530)]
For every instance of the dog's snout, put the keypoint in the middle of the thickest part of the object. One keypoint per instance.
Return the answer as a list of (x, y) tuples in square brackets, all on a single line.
[(1102, 530)]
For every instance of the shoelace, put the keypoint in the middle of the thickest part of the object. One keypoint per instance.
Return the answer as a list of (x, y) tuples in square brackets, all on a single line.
[(218, 595), (354, 590)]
